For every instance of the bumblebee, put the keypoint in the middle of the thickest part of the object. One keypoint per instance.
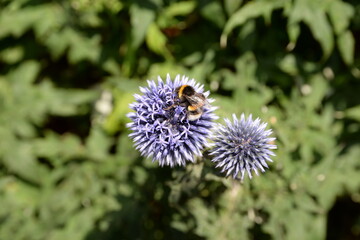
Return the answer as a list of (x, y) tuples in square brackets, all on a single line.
[(190, 99)]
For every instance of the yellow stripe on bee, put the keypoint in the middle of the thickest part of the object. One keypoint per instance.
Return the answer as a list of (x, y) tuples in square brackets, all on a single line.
[(192, 108), (181, 90)]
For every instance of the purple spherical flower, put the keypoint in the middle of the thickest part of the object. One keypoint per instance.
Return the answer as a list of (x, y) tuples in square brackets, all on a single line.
[(242, 146), (161, 129)]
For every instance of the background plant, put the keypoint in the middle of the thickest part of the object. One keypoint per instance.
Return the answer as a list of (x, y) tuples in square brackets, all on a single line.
[(69, 69)]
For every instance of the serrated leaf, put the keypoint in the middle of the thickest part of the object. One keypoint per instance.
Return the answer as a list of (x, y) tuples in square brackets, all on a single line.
[(81, 47), (54, 16), (313, 13), (16, 22), (251, 10)]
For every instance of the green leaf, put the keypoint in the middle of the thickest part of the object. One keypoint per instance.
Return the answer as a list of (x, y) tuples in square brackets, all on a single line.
[(250, 10), (71, 100), (340, 14), (156, 41), (81, 47), (318, 88), (126, 154), (54, 16), (353, 113), (12, 55), (168, 67), (58, 149), (18, 20), (141, 18), (25, 74), (58, 42), (288, 65), (20, 193), (346, 45), (117, 118), (232, 5), (293, 32), (320, 27), (179, 9), (19, 159), (305, 202), (97, 144), (313, 13), (213, 12)]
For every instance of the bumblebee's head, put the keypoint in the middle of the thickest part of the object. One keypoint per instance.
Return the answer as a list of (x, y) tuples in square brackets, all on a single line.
[(185, 90)]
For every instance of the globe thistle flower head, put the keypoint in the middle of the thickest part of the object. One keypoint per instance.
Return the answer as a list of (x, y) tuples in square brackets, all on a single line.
[(242, 146), (160, 127)]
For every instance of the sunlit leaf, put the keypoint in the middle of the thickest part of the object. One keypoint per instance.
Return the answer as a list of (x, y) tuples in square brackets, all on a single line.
[(320, 27), (142, 16), (180, 8), (340, 14), (213, 12), (353, 113), (250, 10), (346, 45), (156, 41)]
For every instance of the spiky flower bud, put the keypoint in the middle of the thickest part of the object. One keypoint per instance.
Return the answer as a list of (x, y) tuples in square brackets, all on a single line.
[(242, 146)]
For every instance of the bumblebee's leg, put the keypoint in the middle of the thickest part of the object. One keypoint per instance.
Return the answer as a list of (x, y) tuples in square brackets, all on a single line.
[(172, 106), (183, 102)]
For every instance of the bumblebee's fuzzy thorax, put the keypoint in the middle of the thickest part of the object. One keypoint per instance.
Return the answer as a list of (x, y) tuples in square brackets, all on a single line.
[(185, 90)]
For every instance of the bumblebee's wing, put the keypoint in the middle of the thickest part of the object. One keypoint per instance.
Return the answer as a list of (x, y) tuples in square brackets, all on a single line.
[(197, 100)]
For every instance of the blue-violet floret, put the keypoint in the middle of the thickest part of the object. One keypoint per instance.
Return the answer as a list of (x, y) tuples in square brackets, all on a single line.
[(164, 133)]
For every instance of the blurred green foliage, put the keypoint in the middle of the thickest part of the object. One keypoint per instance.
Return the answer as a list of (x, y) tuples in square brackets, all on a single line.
[(68, 70)]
